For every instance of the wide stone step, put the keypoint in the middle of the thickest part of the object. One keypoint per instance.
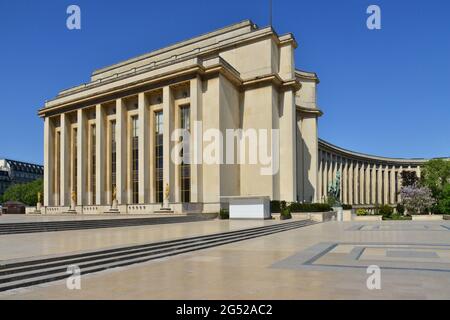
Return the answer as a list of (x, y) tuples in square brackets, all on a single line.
[(27, 273)]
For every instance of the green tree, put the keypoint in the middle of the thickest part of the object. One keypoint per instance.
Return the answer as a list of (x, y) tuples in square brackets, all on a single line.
[(25, 193), (435, 175), (443, 204)]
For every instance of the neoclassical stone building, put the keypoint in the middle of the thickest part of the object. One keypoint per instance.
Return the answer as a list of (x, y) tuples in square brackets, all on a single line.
[(111, 137)]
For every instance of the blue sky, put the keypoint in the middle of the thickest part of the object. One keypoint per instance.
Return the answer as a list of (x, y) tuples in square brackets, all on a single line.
[(384, 92)]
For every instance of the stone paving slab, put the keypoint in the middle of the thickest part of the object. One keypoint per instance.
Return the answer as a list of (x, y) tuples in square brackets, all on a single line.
[(247, 270)]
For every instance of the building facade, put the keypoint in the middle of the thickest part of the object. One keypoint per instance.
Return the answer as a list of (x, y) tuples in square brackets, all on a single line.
[(14, 172), (112, 138)]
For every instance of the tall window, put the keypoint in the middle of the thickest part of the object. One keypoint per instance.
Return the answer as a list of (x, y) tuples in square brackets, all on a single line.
[(185, 168), (135, 159), (113, 156), (159, 156), (75, 160), (93, 164)]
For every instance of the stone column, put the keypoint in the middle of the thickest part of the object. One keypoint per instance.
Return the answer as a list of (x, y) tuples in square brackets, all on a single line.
[(320, 179), (48, 161), (345, 182), (356, 184), (65, 161), (341, 183), (168, 127), (386, 185), (196, 143), (374, 184), (350, 183), (361, 184), (144, 152), (379, 185), (81, 157), (325, 176), (121, 151), (367, 181), (399, 183), (392, 184), (100, 154)]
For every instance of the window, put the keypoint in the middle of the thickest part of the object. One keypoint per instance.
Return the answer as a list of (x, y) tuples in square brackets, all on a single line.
[(135, 159), (185, 168), (159, 179)]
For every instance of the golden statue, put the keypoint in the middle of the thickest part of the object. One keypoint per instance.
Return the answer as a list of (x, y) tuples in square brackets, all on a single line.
[(114, 193), (167, 192), (39, 197), (74, 196)]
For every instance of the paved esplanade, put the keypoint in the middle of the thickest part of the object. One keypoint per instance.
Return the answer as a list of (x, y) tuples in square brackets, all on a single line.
[(325, 260)]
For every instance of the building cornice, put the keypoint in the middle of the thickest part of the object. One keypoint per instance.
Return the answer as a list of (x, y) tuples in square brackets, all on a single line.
[(357, 156)]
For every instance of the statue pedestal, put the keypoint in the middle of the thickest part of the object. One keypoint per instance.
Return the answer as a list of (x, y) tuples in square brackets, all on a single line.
[(165, 207), (114, 207), (72, 207), (38, 208)]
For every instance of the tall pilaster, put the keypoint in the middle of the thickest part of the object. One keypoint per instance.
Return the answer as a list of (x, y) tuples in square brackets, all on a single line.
[(168, 127), (196, 143), (65, 161), (287, 122), (48, 161), (82, 157), (121, 151), (100, 154), (144, 152)]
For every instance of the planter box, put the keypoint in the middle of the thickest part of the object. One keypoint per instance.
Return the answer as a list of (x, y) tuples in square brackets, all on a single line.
[(427, 217), (367, 218)]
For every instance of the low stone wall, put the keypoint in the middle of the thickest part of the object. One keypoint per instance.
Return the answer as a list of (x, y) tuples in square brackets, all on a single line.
[(367, 218), (427, 217), (316, 216)]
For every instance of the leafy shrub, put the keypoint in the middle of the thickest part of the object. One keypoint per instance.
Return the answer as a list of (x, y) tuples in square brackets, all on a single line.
[(285, 213), (362, 212), (346, 206), (224, 214), (309, 207), (275, 206), (400, 209), (386, 211)]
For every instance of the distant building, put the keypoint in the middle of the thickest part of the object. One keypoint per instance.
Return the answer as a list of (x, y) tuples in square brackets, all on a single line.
[(13, 172)]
